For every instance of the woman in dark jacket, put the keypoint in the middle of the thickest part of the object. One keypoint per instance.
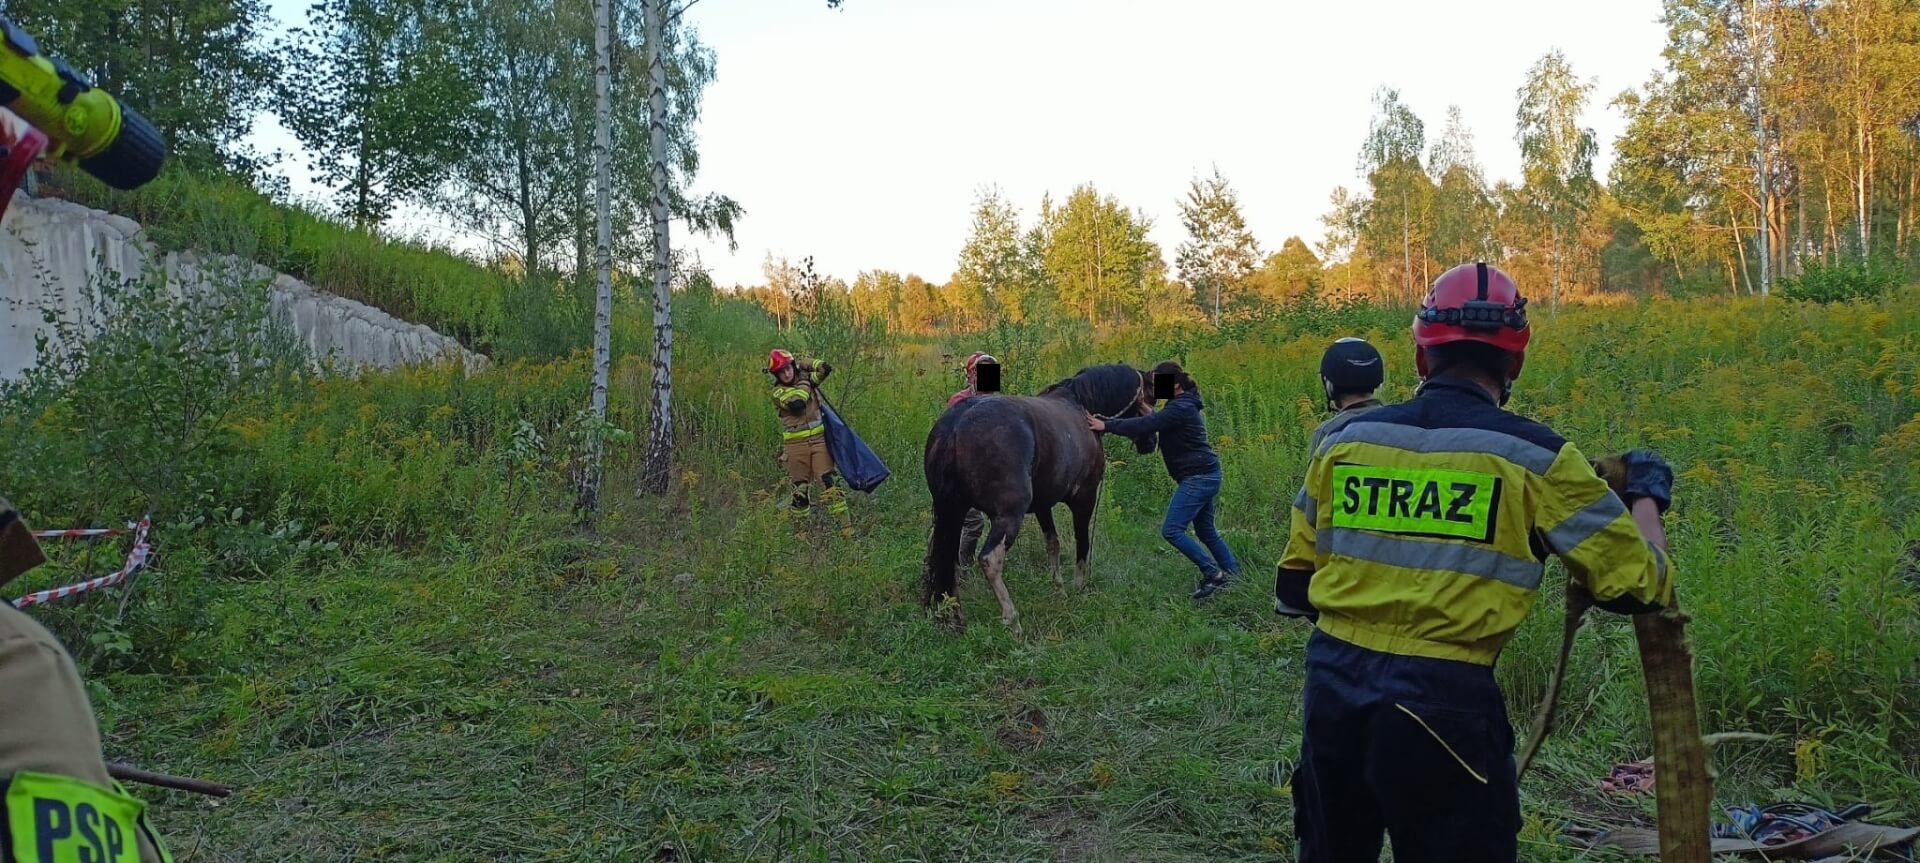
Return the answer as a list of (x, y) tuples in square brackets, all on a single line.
[(1192, 464)]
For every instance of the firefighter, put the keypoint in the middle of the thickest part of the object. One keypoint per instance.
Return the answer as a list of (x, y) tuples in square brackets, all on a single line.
[(57, 795), (1351, 370), (1426, 526), (803, 432), (976, 522)]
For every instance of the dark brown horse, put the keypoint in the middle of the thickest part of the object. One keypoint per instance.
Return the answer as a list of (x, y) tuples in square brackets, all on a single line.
[(1012, 455)]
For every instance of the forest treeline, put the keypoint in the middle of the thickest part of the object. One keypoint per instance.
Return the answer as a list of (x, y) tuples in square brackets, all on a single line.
[(1778, 147)]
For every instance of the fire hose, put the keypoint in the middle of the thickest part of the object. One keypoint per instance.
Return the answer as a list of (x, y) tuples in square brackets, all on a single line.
[(1683, 793)]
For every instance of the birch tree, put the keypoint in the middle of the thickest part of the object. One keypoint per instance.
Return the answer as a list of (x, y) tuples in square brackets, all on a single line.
[(657, 468), (1463, 210), (1220, 253), (603, 249), (1390, 159), (1556, 152), (991, 265)]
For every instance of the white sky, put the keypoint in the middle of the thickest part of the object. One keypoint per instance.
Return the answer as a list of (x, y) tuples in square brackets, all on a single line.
[(861, 136)]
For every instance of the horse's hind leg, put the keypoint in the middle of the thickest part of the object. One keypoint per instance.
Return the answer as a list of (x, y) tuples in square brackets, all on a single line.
[(1006, 527), (1083, 505), (1044, 516)]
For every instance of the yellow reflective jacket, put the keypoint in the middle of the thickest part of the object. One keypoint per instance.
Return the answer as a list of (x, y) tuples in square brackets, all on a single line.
[(1340, 420), (798, 404), (1424, 527)]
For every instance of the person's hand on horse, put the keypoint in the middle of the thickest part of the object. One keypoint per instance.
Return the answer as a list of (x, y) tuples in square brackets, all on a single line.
[(1095, 423)]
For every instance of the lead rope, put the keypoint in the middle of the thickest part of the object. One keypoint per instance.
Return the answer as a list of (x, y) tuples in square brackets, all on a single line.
[(1099, 495), (1544, 718)]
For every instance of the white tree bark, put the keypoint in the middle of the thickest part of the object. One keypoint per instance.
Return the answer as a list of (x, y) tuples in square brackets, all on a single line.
[(659, 459), (1406, 249), (603, 251), (1553, 255), (1861, 167), (602, 197), (1754, 35)]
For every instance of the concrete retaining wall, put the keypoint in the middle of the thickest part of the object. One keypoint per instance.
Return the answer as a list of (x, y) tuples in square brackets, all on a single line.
[(51, 251)]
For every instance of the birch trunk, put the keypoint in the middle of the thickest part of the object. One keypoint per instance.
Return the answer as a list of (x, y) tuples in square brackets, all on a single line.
[(659, 459), (603, 251), (1553, 256)]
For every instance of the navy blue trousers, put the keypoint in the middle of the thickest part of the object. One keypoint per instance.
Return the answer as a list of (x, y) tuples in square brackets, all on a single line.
[(1419, 750)]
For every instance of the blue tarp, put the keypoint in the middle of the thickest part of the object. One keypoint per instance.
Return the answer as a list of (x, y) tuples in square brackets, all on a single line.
[(852, 458)]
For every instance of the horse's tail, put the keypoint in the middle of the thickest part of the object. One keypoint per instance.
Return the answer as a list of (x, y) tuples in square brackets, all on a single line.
[(940, 578), (943, 556)]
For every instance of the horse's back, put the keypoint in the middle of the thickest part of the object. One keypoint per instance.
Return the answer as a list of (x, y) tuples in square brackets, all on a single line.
[(997, 447)]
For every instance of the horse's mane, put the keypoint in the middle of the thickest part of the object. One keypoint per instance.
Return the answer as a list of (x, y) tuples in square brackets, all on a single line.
[(1098, 386)]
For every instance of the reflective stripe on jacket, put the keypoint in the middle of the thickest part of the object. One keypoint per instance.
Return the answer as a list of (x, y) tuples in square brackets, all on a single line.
[(798, 407), (1425, 526), (818, 428)]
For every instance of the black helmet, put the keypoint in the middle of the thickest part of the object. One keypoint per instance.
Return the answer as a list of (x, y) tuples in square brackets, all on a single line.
[(1350, 365)]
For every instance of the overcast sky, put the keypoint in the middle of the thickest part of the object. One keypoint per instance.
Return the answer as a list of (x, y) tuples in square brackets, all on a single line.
[(861, 136)]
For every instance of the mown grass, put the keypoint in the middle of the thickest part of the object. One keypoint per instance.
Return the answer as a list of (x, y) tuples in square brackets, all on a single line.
[(470, 677)]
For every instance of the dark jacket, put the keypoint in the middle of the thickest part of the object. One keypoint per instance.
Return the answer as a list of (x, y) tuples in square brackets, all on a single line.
[(1183, 435)]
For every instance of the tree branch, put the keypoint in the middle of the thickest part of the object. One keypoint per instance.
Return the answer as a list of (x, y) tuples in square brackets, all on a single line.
[(678, 12)]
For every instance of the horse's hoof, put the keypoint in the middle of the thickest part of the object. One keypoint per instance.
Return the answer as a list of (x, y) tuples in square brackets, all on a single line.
[(1014, 625)]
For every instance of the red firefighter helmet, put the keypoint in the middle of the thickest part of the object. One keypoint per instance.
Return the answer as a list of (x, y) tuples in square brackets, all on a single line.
[(1473, 303), (777, 360)]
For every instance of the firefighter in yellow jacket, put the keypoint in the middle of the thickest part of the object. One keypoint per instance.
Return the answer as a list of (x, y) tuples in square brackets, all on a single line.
[(803, 432), (1418, 545), (59, 802)]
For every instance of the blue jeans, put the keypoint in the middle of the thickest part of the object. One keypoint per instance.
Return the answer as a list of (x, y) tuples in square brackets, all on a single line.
[(1193, 504)]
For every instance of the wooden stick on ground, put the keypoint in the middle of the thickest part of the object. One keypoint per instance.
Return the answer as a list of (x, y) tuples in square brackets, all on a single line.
[(130, 773)]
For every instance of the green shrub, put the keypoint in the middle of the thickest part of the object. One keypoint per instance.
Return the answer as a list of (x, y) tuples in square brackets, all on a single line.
[(133, 414), (1849, 279)]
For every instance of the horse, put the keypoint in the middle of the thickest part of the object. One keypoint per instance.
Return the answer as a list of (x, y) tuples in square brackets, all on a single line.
[(1012, 455)]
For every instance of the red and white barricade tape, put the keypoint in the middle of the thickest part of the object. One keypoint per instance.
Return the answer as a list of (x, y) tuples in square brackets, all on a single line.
[(136, 559), (80, 533)]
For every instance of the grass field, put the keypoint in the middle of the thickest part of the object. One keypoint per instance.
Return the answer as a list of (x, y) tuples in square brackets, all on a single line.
[(471, 677)]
